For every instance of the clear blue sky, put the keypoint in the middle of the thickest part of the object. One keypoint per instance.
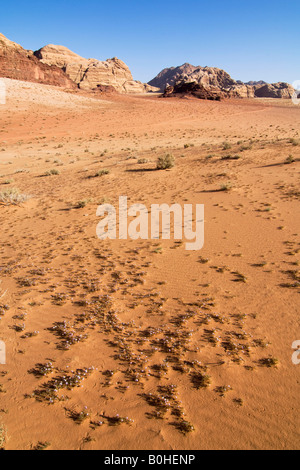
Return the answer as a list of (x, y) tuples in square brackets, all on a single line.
[(252, 40)]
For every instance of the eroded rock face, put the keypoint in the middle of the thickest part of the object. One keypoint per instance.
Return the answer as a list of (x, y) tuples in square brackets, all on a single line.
[(88, 74), (19, 64), (207, 76), (275, 90), (217, 78)]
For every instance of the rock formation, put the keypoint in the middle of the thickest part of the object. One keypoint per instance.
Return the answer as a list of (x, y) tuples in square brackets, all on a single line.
[(19, 64), (217, 78), (185, 89), (274, 90), (207, 76), (88, 74)]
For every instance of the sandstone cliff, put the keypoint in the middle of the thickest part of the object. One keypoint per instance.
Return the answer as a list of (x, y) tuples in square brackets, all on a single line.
[(88, 74), (19, 64)]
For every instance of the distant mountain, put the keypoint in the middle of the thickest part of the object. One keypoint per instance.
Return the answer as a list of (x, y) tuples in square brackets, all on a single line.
[(212, 77)]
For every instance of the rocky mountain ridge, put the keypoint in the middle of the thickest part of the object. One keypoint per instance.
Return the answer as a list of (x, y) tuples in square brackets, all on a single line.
[(212, 78)]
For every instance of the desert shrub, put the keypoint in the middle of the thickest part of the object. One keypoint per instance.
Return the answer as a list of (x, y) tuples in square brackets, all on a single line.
[(52, 172), (226, 186), (102, 172), (231, 157), (226, 146), (290, 159), (163, 163), (12, 196), (3, 436)]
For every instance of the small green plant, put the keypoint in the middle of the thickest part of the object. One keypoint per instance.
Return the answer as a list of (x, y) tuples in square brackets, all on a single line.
[(166, 162)]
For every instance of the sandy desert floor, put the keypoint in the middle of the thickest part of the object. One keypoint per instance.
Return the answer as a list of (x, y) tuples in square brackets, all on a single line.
[(129, 344)]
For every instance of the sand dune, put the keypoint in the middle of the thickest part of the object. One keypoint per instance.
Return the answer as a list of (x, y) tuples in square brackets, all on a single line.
[(141, 344)]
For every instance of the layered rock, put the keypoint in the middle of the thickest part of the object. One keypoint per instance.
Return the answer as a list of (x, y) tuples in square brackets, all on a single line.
[(19, 64), (274, 90), (211, 77), (89, 74), (207, 76)]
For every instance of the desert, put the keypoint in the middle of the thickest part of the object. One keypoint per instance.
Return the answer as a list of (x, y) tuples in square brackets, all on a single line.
[(139, 343)]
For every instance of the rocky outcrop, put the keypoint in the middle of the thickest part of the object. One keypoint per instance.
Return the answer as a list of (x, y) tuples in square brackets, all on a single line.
[(212, 78), (274, 90), (19, 64), (207, 76), (185, 89), (88, 74)]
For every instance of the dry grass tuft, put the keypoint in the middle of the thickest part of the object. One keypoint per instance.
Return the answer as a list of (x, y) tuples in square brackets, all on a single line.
[(12, 196)]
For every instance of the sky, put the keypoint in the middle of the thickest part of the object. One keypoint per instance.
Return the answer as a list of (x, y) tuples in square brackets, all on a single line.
[(251, 40)]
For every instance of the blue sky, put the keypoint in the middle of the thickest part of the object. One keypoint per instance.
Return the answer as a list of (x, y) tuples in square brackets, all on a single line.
[(252, 40)]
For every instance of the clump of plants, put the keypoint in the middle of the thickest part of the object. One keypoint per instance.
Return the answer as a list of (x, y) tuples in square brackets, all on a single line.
[(201, 380), (269, 362)]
